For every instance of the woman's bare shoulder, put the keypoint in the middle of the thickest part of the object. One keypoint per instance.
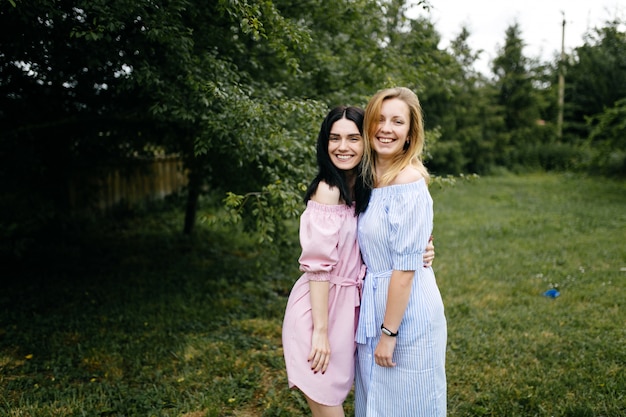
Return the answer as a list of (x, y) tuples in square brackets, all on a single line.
[(325, 194), (408, 175)]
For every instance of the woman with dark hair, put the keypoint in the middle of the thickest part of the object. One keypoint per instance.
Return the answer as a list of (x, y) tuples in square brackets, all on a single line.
[(323, 307), (331, 170)]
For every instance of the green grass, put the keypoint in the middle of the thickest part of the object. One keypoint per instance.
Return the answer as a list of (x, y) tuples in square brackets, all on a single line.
[(501, 242), (138, 321)]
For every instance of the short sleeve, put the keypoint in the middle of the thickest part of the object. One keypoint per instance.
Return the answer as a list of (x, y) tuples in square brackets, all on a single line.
[(319, 239), (407, 217)]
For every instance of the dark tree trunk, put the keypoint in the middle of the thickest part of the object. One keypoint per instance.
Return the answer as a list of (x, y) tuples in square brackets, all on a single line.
[(193, 193)]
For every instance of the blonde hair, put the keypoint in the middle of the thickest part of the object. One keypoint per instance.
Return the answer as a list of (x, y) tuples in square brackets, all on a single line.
[(412, 155)]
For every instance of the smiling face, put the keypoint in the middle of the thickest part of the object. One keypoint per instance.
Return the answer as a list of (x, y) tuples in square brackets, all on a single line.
[(345, 144), (393, 128)]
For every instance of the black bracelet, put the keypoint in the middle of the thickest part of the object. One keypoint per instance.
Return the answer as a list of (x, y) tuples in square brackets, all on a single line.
[(387, 331)]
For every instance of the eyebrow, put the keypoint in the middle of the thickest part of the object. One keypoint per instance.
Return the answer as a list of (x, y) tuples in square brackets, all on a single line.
[(395, 116)]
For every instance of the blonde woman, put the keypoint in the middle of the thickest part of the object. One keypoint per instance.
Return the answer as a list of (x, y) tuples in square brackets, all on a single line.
[(401, 334)]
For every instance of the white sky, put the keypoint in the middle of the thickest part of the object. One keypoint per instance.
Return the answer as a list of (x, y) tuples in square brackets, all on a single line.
[(540, 22)]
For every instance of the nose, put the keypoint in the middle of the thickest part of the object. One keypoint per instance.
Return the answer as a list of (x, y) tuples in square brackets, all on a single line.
[(385, 126), (343, 144)]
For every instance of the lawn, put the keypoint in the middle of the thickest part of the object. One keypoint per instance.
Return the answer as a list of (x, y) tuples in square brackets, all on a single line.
[(136, 320)]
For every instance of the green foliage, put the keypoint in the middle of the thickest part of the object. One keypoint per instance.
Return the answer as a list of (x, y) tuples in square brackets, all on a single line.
[(133, 319), (549, 156), (187, 78), (607, 140), (515, 92), (595, 77), (464, 110), (238, 88)]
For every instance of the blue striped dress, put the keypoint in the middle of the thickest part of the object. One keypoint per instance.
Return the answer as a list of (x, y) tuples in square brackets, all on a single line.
[(393, 234)]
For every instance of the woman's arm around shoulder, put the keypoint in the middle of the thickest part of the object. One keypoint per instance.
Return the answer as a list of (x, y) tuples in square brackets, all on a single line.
[(408, 175), (325, 194)]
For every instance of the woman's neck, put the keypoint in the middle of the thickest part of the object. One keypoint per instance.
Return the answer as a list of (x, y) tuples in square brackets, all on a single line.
[(382, 166)]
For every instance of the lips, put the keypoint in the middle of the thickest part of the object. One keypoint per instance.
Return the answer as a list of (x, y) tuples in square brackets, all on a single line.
[(344, 157), (385, 140)]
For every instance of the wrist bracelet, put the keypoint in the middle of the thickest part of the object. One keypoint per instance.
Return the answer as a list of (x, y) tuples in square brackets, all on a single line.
[(387, 331)]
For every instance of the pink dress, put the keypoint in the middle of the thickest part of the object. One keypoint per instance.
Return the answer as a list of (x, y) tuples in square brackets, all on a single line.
[(330, 252)]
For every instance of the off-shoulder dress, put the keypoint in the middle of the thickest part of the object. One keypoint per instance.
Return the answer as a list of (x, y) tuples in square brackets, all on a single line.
[(330, 252)]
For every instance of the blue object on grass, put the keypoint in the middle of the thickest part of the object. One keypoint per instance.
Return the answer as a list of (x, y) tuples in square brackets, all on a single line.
[(552, 293)]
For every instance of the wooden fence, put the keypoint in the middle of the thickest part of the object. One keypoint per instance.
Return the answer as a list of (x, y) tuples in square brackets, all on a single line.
[(148, 179)]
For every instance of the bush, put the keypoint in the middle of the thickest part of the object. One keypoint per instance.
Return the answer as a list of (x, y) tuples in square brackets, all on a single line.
[(554, 156)]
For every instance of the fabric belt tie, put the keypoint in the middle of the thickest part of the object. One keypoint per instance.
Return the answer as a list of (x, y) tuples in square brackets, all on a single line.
[(367, 320), (351, 282)]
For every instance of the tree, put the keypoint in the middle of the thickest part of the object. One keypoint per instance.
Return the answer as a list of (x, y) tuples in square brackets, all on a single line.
[(112, 80), (516, 96), (607, 140), (595, 78), (236, 87), (465, 112)]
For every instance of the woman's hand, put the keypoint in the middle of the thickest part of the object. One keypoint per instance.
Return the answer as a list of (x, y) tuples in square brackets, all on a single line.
[(383, 355), (429, 255), (320, 351)]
